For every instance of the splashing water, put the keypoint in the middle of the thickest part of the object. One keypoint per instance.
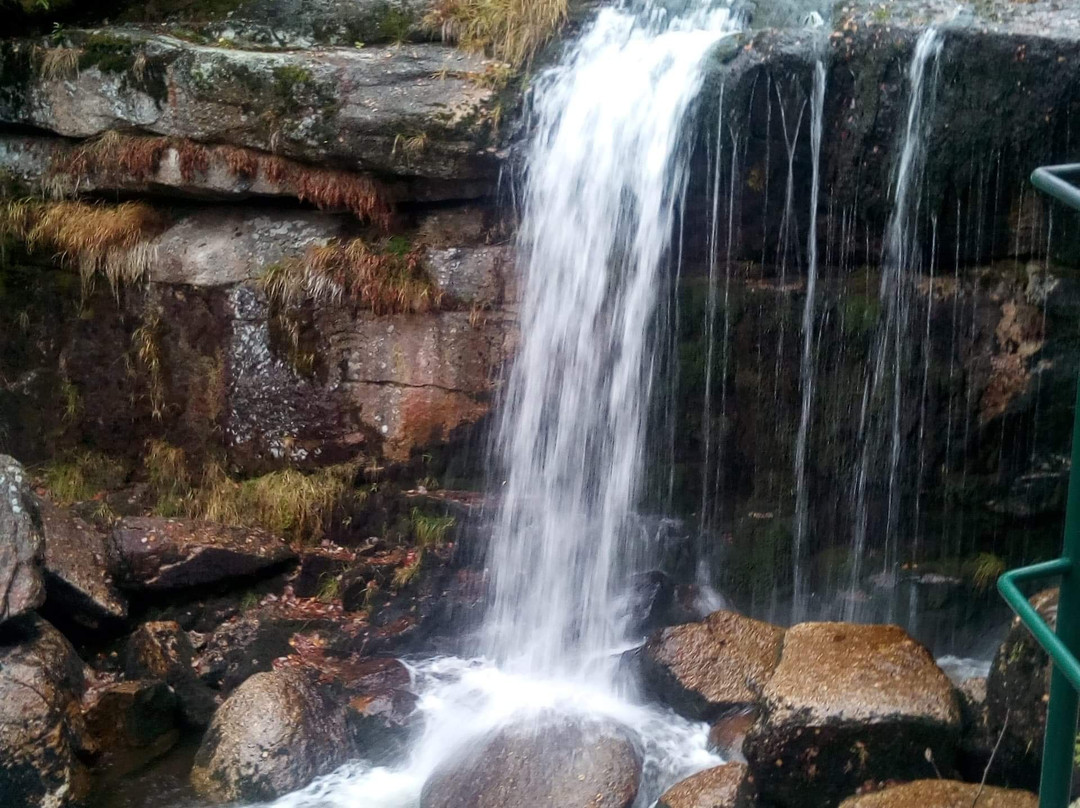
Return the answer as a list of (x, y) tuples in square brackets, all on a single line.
[(607, 172)]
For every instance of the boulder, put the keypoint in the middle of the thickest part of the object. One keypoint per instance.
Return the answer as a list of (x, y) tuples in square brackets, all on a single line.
[(943, 794), (976, 741), (132, 722), (155, 553), (418, 110), (706, 669), (163, 651), (849, 704), (77, 576), (41, 736), (727, 786), (567, 762), (380, 709), (21, 547), (276, 733), (1017, 691)]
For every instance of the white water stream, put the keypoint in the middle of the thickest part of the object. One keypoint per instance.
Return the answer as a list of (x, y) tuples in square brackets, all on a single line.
[(606, 173)]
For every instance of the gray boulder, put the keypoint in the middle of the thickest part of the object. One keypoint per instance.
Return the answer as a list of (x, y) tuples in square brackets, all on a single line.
[(561, 761), (276, 733), (22, 551)]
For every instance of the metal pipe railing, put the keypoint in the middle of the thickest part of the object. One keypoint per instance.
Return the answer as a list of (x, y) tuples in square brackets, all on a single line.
[(1062, 645)]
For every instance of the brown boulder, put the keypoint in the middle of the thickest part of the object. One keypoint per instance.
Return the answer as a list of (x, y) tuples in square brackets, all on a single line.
[(276, 733), (41, 733), (706, 669), (727, 734), (77, 575), (563, 762), (850, 704), (1016, 698), (155, 553), (163, 651), (380, 708), (131, 723), (22, 588), (727, 786), (943, 794)]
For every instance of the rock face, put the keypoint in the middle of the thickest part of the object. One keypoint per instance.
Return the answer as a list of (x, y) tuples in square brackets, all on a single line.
[(727, 786), (77, 567), (164, 554), (21, 546), (380, 707), (41, 682), (161, 650), (943, 794), (566, 763), (416, 110), (1017, 689), (847, 704), (275, 734), (706, 669)]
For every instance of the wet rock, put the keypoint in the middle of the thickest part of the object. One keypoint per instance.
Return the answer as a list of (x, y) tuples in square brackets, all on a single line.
[(77, 576), (276, 733), (161, 554), (705, 669), (849, 704), (1017, 690), (473, 276), (380, 711), (976, 742), (727, 734), (563, 762), (943, 794), (320, 571), (163, 651), (727, 786), (21, 546), (249, 642), (132, 722), (41, 734)]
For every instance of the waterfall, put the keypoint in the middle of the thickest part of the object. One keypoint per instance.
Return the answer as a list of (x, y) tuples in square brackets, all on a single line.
[(898, 270), (606, 171), (800, 597)]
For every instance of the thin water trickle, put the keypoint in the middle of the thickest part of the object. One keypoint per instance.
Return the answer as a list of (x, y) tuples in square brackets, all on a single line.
[(882, 405), (800, 597)]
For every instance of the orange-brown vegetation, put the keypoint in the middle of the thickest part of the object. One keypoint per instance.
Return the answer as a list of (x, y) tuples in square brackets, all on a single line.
[(132, 158), (97, 238)]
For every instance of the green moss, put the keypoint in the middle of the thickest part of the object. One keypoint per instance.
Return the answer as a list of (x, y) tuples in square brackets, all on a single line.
[(109, 54), (395, 24)]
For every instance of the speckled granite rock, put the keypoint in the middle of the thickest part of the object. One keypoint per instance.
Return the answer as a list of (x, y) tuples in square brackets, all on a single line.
[(847, 704), (718, 665), (559, 762), (943, 794), (727, 786)]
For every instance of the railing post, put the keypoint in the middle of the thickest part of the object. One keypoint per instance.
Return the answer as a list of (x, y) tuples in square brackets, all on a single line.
[(1060, 743)]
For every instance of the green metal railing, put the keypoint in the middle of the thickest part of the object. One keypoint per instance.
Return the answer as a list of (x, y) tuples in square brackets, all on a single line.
[(1061, 712)]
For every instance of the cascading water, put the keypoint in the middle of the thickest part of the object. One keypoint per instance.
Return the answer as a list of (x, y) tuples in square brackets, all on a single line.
[(898, 272), (606, 173), (607, 169)]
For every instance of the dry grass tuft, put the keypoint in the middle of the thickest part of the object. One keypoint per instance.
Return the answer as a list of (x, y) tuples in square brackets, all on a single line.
[(80, 476), (146, 342), (99, 239), (289, 503), (513, 30), (386, 280), (121, 158), (57, 64)]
